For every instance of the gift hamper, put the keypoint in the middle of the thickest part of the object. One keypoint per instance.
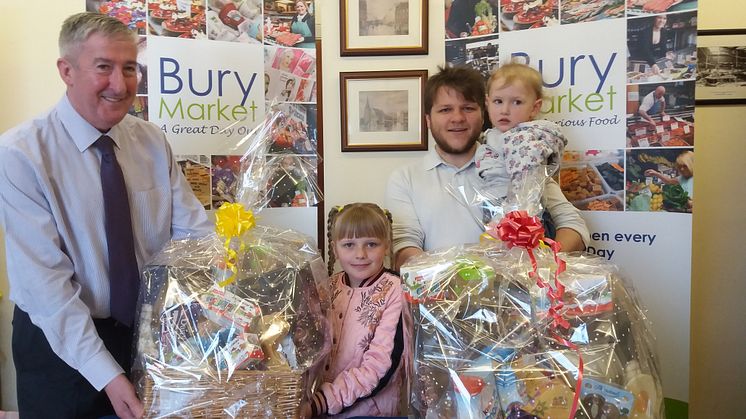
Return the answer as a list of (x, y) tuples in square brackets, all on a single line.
[(510, 328), (233, 325)]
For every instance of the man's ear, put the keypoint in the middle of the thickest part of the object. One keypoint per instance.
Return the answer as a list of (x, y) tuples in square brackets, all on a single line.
[(427, 119), (65, 69)]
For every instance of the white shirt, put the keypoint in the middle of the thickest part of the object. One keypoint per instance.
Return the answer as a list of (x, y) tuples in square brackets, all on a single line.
[(649, 100), (428, 217), (51, 208)]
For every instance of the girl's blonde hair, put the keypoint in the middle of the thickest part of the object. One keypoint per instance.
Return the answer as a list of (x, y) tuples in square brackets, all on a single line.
[(360, 219), (686, 159), (509, 73)]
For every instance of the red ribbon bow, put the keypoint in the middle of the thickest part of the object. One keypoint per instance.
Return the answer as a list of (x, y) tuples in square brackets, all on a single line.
[(518, 229)]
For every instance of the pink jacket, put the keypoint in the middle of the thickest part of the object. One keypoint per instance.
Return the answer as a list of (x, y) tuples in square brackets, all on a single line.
[(370, 346)]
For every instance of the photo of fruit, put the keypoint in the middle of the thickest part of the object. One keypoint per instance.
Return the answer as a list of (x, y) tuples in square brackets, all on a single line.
[(660, 180)]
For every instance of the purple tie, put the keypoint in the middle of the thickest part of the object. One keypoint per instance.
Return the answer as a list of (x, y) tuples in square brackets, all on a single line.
[(124, 277)]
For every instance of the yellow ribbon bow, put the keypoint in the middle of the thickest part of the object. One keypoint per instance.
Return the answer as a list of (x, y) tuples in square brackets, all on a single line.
[(232, 220)]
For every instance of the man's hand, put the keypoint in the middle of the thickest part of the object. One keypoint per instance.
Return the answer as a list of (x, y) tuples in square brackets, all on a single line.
[(405, 254), (305, 411), (569, 240), (122, 395)]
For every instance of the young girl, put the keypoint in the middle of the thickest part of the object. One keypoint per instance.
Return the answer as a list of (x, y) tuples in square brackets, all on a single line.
[(365, 371), (517, 142)]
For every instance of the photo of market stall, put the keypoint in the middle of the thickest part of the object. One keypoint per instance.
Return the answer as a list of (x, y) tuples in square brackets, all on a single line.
[(593, 180), (167, 18), (722, 72), (528, 14), (660, 115), (662, 47), (478, 53)]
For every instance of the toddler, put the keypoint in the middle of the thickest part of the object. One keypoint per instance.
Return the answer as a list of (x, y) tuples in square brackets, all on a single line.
[(516, 142)]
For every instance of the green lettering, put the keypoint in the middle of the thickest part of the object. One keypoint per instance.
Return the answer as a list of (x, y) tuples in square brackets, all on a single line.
[(177, 108), (253, 110), (611, 94), (572, 99), (559, 102), (592, 99), (200, 109), (238, 112), (221, 110)]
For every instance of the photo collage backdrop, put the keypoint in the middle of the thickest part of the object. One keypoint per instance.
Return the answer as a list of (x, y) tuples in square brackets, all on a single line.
[(208, 70), (619, 79)]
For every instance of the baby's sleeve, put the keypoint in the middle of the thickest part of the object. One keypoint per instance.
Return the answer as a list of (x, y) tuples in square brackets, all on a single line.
[(532, 146)]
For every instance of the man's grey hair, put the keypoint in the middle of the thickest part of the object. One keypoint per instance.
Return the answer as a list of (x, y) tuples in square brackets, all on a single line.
[(77, 28)]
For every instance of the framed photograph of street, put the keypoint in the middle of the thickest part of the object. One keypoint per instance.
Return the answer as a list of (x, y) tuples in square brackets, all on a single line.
[(721, 57), (383, 27), (382, 110)]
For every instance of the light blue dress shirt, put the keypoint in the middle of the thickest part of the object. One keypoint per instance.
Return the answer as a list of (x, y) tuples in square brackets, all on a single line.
[(427, 216), (51, 208)]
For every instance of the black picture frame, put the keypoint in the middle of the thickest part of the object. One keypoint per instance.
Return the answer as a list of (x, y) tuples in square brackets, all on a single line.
[(721, 58)]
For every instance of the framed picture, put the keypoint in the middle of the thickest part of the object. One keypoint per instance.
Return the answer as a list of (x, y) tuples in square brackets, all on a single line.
[(383, 27), (382, 110), (721, 57)]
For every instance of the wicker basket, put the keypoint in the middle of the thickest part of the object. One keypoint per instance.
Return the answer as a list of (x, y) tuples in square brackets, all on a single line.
[(246, 394)]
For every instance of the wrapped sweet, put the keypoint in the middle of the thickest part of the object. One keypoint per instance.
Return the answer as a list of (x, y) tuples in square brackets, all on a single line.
[(233, 325), (510, 328)]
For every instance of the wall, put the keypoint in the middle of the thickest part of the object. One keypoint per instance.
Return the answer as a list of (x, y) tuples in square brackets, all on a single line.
[(353, 177), (31, 85), (718, 372)]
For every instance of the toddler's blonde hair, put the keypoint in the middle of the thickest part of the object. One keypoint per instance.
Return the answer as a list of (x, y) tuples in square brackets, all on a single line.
[(512, 72)]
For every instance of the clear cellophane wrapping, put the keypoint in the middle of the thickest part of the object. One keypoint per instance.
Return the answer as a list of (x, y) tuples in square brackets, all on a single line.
[(494, 338), (233, 326)]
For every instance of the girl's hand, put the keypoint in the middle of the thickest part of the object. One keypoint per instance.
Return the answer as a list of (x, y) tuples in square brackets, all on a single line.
[(651, 172)]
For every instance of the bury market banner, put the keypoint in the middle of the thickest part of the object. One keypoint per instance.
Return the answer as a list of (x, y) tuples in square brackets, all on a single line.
[(207, 72), (619, 79)]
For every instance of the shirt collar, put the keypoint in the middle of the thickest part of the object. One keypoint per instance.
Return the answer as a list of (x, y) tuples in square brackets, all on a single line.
[(81, 131), (432, 160)]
